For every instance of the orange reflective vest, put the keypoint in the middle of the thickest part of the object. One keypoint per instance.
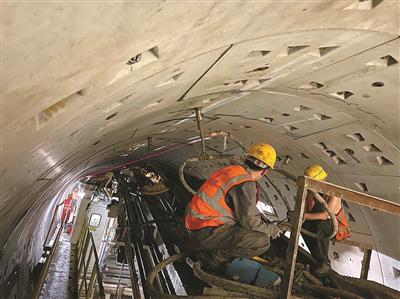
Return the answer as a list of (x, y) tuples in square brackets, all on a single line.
[(343, 231), (208, 207)]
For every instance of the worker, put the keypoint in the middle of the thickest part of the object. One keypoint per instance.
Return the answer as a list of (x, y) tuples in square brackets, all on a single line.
[(222, 217), (67, 207), (318, 221)]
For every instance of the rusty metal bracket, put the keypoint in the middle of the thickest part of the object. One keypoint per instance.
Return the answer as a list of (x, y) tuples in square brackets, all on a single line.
[(287, 282), (306, 183), (365, 263), (360, 198)]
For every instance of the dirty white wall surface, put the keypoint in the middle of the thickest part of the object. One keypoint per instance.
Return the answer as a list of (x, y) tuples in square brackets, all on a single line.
[(318, 80)]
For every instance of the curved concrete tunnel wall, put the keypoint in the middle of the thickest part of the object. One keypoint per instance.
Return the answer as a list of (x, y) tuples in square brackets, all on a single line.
[(318, 80)]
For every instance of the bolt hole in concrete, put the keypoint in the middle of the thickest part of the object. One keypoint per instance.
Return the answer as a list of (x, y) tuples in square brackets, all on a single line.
[(112, 115), (378, 84)]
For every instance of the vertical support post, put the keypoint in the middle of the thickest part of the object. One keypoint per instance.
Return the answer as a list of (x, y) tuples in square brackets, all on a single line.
[(199, 119), (43, 274), (287, 283), (90, 292), (85, 266), (82, 255), (97, 267), (127, 239), (365, 263)]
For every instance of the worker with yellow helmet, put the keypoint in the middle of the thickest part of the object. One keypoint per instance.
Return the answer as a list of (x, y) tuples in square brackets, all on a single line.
[(222, 216), (317, 221)]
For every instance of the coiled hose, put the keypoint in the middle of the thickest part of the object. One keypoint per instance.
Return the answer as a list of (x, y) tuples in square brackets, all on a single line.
[(196, 159), (248, 291), (180, 257), (332, 216)]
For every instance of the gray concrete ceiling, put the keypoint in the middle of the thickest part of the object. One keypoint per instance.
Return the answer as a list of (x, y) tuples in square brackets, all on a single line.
[(318, 80)]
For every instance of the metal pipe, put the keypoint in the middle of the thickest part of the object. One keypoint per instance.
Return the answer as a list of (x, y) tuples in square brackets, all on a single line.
[(84, 280), (327, 291), (128, 249), (154, 255), (90, 292), (85, 266), (153, 274), (199, 119), (44, 272), (365, 263), (225, 135), (245, 289), (195, 159), (311, 278), (360, 198), (96, 260), (330, 213), (83, 256), (287, 282)]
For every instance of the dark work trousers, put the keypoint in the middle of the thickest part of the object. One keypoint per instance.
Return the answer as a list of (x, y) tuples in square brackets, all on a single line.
[(222, 244), (319, 247)]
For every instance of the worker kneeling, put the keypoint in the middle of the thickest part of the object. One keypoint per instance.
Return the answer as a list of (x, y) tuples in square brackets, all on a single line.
[(222, 216)]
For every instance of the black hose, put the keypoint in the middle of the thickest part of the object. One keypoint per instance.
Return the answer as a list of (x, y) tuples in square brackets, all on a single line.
[(199, 158), (326, 291), (319, 199), (247, 290), (150, 290)]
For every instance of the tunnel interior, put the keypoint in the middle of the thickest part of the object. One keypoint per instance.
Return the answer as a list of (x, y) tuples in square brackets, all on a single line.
[(90, 88)]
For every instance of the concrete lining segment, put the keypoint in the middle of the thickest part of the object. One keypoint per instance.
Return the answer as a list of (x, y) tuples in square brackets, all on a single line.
[(62, 52), (282, 69)]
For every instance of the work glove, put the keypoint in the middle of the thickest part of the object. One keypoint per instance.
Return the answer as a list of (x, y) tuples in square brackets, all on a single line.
[(275, 231)]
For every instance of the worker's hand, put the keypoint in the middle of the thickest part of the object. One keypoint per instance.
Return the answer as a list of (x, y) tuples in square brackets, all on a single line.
[(275, 231)]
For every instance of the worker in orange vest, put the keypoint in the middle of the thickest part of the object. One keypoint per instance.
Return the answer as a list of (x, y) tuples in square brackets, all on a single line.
[(317, 221), (222, 216), (66, 212)]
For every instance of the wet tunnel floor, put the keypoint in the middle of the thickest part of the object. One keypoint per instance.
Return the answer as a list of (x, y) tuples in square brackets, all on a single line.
[(57, 279)]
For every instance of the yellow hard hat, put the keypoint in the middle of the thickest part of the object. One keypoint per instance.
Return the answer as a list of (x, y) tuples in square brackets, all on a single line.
[(316, 172), (264, 153)]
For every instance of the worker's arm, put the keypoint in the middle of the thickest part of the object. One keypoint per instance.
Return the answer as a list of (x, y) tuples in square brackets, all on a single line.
[(334, 203), (244, 204)]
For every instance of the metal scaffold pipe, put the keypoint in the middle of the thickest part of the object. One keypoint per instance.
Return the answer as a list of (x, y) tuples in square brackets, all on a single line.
[(199, 118)]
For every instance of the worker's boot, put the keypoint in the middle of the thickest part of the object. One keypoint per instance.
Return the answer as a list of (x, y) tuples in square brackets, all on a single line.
[(323, 269), (212, 261)]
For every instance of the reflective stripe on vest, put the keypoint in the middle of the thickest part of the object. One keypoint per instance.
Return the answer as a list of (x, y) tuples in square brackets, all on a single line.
[(208, 206), (343, 226)]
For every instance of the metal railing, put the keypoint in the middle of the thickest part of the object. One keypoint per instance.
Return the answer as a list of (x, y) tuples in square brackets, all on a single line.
[(49, 252), (306, 183), (86, 249)]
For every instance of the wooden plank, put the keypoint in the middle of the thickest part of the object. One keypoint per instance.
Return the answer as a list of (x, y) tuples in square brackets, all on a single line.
[(360, 198), (287, 283)]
